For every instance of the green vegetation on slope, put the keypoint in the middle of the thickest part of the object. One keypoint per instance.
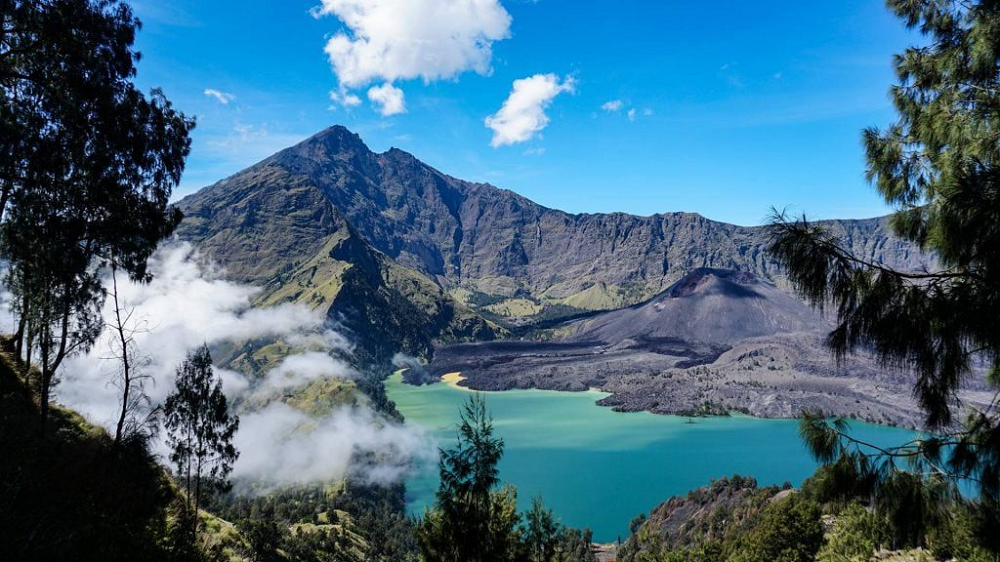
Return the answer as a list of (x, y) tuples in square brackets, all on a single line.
[(344, 522), (734, 520), (386, 307), (70, 494), (602, 296)]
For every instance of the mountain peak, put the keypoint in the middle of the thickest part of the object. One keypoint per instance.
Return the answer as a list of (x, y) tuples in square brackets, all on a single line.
[(338, 132), (704, 280), (332, 140)]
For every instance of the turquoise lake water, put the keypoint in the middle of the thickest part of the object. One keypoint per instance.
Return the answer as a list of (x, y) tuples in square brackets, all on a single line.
[(599, 468)]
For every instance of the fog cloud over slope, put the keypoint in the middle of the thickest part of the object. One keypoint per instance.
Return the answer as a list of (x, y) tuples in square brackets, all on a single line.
[(188, 304), (280, 444)]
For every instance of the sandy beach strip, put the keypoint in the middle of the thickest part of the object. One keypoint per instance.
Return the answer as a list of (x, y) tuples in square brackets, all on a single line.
[(452, 380)]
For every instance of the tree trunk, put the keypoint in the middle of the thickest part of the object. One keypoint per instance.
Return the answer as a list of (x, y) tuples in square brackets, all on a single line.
[(188, 503), (19, 337), (197, 497), (126, 367), (29, 345), (43, 395)]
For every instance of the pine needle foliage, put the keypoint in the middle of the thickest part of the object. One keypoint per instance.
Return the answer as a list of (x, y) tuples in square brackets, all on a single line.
[(472, 521), (939, 166)]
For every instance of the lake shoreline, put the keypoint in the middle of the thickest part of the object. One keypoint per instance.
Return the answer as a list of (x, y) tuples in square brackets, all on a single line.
[(456, 378), (774, 379), (600, 468)]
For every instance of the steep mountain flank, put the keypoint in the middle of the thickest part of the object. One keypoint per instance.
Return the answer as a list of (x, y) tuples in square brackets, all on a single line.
[(279, 231), (390, 308), (264, 223), (480, 243)]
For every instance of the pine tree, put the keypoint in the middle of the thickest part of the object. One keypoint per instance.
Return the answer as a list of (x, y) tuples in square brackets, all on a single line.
[(471, 521), (939, 166), (200, 430), (541, 533)]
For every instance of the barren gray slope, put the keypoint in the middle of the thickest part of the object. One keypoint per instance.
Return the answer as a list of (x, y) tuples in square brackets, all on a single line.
[(706, 306), (715, 341)]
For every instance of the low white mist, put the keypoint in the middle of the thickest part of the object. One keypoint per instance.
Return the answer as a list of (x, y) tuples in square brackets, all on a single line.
[(297, 370), (188, 304), (281, 444)]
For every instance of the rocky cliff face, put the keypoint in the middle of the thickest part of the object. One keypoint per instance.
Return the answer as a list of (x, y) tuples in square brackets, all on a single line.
[(482, 243), (278, 230)]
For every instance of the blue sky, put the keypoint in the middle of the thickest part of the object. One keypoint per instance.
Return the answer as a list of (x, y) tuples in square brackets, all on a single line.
[(724, 108)]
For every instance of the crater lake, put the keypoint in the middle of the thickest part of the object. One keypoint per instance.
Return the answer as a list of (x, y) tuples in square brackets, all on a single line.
[(598, 468)]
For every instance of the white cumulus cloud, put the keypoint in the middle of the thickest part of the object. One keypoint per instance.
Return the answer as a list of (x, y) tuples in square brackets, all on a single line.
[(222, 97), (344, 98), (612, 106), (402, 39), (522, 115), (387, 99)]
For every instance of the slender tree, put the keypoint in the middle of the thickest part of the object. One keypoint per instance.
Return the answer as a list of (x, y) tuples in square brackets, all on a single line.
[(87, 165), (200, 430), (939, 165), (130, 378), (471, 521)]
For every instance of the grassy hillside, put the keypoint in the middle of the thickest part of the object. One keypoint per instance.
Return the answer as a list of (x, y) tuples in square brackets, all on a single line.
[(68, 493), (387, 308)]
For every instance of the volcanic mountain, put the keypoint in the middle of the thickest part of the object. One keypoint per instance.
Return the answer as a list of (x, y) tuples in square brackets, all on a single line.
[(486, 249), (715, 341), (279, 231), (693, 323), (670, 312), (711, 306)]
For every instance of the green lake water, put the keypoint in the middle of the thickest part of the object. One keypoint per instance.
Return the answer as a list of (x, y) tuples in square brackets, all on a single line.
[(600, 468)]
